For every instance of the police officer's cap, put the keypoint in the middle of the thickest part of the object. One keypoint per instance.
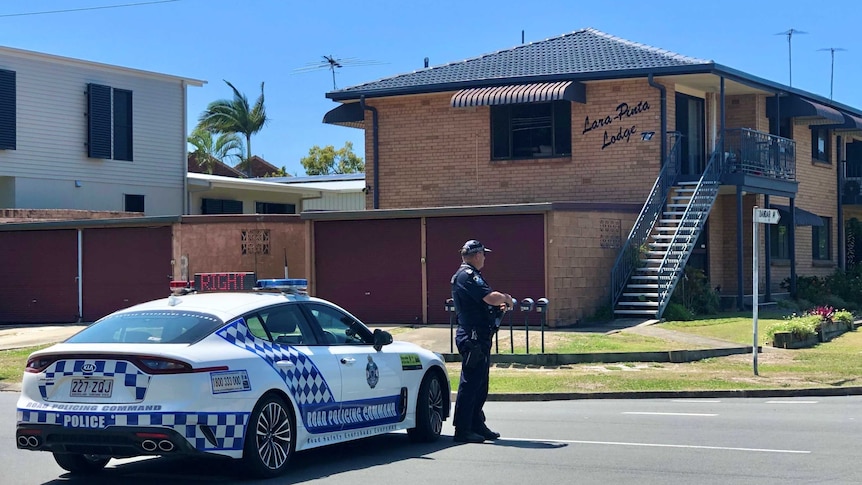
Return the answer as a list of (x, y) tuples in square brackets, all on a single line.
[(472, 247)]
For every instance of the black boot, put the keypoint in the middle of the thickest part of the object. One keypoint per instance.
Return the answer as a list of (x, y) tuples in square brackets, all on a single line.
[(486, 433)]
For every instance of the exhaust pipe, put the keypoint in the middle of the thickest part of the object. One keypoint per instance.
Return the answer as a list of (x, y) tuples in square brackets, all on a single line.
[(23, 441), (166, 445), (149, 445), (33, 441)]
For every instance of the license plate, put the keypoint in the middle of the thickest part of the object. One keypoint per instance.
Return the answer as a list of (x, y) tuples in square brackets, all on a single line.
[(92, 387)]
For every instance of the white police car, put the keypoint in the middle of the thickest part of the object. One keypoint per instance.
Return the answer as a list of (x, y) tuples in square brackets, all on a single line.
[(254, 376)]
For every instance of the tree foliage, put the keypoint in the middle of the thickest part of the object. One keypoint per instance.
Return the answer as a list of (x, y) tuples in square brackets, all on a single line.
[(328, 160), (235, 116), (209, 149)]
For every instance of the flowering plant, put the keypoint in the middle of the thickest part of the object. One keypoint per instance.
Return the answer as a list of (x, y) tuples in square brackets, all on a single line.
[(825, 312)]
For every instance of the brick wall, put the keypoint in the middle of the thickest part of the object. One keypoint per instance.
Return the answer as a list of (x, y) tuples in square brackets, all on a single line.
[(582, 248), (746, 111), (214, 244), (433, 155)]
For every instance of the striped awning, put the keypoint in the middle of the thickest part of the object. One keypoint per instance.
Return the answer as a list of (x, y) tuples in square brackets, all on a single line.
[(851, 123), (520, 93), (799, 107)]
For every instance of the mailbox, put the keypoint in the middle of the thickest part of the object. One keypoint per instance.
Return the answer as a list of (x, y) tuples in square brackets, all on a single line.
[(449, 305), (542, 305)]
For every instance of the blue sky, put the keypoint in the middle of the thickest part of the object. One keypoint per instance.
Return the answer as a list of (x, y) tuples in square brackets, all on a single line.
[(249, 41)]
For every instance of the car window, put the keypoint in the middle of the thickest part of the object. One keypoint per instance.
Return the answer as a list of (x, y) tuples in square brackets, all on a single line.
[(255, 326), (338, 327), (150, 327), (285, 325)]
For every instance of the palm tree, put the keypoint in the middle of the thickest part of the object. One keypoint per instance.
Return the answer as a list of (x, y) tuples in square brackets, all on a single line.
[(208, 150), (235, 116)]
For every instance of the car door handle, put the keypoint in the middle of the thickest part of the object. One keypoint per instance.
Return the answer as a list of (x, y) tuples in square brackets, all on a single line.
[(348, 360), (285, 364)]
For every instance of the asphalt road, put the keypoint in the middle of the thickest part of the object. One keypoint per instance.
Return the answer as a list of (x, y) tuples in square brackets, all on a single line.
[(704, 441)]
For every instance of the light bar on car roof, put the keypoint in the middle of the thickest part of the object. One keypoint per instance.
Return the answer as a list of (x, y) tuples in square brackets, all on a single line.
[(284, 285)]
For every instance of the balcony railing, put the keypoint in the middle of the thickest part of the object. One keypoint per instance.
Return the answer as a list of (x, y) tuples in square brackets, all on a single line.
[(756, 153)]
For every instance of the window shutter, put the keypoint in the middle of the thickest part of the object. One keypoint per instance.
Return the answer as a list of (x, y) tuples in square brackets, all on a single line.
[(8, 135), (99, 121)]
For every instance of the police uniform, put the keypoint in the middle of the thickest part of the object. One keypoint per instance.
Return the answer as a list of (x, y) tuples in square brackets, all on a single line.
[(473, 339)]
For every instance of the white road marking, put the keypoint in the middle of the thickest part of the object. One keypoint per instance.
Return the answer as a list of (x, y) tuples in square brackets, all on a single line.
[(661, 445), (791, 402), (671, 414)]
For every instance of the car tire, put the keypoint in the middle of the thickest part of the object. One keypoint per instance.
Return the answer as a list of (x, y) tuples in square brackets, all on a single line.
[(429, 410), (270, 438), (77, 463)]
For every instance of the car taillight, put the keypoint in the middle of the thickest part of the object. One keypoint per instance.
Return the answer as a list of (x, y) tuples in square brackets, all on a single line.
[(38, 364), (158, 365)]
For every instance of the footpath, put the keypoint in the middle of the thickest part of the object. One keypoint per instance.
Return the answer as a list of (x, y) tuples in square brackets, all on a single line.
[(438, 338)]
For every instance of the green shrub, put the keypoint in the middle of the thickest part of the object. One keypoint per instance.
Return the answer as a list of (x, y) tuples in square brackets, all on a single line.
[(694, 293), (801, 326), (789, 305), (676, 312), (835, 301), (844, 317)]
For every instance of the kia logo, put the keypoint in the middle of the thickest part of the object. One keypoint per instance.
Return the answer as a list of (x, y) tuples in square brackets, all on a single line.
[(88, 367)]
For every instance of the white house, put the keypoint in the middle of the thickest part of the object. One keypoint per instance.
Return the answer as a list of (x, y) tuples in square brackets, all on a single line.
[(215, 194), (76, 134)]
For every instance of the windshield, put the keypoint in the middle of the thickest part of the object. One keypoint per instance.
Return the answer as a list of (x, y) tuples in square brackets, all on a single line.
[(150, 327)]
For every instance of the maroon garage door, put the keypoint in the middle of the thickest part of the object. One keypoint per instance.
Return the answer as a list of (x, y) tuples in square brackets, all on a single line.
[(372, 268), (38, 283), (124, 266), (516, 265)]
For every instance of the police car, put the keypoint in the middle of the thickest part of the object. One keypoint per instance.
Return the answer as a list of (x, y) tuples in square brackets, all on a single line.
[(255, 376)]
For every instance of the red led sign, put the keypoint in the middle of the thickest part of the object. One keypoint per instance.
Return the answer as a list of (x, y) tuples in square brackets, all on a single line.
[(224, 281)]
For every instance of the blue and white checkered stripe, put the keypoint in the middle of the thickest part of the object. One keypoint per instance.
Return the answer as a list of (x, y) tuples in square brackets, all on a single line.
[(228, 428), (304, 381), (132, 377)]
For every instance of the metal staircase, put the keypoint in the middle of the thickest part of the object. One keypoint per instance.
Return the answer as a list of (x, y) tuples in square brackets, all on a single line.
[(662, 239)]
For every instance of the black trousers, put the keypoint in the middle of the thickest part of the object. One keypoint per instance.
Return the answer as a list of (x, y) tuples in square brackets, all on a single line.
[(472, 389)]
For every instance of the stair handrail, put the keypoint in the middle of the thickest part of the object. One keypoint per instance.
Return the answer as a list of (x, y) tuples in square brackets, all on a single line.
[(706, 189), (629, 254)]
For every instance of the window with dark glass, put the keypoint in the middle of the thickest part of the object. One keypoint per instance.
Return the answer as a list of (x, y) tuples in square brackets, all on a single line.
[(821, 240), (820, 144), (779, 241), (221, 206), (273, 208), (8, 114), (533, 130), (109, 122), (134, 203)]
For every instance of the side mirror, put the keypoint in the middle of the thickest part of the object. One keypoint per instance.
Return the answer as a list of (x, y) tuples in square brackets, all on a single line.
[(381, 338)]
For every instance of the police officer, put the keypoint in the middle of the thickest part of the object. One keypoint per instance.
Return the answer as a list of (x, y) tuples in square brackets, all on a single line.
[(476, 305)]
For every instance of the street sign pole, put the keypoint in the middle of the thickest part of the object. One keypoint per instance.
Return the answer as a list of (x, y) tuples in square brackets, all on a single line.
[(759, 216), (754, 288)]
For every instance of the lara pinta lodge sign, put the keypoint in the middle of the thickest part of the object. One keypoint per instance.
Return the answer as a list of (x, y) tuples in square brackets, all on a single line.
[(619, 117)]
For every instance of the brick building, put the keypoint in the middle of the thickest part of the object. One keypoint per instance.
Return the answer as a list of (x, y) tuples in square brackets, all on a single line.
[(643, 162)]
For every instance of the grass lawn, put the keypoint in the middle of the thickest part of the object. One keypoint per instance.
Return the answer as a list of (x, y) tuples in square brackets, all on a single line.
[(737, 327), (837, 363)]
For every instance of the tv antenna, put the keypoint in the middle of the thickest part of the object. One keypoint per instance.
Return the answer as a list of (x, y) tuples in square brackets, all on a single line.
[(789, 34), (832, 50), (332, 63)]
